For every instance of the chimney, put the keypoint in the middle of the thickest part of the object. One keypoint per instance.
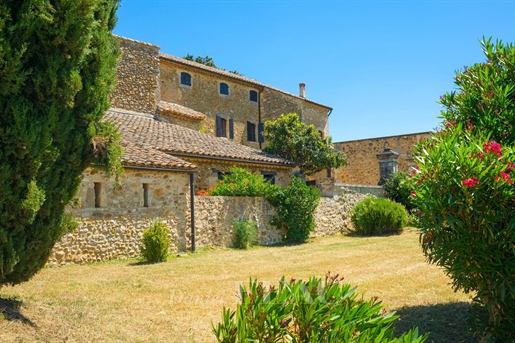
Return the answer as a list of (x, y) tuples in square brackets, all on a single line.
[(302, 90)]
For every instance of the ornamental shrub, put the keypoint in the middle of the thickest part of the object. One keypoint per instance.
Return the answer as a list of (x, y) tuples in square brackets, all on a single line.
[(296, 205), (245, 233), (464, 187), (378, 216), (464, 190), (156, 242), (398, 188), (308, 311), (242, 182)]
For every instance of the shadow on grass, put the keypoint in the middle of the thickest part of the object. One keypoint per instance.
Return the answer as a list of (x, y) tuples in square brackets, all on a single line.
[(446, 323), (10, 310)]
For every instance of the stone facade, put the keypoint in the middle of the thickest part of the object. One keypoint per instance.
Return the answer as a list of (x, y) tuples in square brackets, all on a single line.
[(203, 95), (113, 232), (363, 164), (137, 86)]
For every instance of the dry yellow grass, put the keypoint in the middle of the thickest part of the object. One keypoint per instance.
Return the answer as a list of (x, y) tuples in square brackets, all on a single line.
[(123, 301)]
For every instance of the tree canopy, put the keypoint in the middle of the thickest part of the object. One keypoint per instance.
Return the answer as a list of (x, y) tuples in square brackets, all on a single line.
[(292, 139), (57, 66)]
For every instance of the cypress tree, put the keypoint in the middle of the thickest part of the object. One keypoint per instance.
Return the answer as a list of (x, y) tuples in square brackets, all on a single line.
[(57, 68)]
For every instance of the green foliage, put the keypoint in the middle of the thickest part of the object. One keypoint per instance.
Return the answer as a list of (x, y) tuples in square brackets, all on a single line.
[(377, 216), (292, 139), (245, 233), (243, 183), (307, 311), (57, 67), (208, 61), (155, 242), (485, 98), (466, 198), (296, 205), (465, 191), (398, 188)]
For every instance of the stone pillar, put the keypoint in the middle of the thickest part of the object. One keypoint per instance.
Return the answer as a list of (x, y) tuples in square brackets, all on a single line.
[(387, 164)]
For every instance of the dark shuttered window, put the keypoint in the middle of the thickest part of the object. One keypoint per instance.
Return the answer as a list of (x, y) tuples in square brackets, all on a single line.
[(251, 132), (185, 79), (253, 96)]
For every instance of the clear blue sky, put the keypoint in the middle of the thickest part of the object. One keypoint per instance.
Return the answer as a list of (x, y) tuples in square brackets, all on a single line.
[(381, 65)]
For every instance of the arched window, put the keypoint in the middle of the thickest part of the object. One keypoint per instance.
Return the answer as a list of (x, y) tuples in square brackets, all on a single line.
[(253, 96), (224, 88), (185, 79)]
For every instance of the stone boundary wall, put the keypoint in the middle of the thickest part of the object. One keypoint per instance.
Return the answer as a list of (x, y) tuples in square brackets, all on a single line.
[(105, 239), (342, 189)]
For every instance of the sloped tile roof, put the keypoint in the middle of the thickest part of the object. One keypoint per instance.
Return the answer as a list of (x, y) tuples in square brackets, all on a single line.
[(231, 75), (144, 156), (175, 110), (181, 141)]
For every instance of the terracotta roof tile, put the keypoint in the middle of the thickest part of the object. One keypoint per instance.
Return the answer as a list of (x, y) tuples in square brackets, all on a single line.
[(144, 156), (175, 110), (231, 75), (181, 141)]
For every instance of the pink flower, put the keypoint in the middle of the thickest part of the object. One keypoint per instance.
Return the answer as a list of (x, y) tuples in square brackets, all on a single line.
[(413, 194), (494, 148), (471, 182), (507, 178)]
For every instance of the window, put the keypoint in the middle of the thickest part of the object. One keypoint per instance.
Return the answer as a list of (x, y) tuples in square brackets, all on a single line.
[(98, 194), (185, 79), (321, 133), (311, 183), (251, 132), (329, 172), (224, 88), (145, 195), (269, 177), (253, 96), (224, 126)]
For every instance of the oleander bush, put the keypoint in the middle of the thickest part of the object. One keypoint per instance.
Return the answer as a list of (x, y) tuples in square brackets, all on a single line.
[(245, 233), (155, 242), (378, 216), (465, 190), (315, 310)]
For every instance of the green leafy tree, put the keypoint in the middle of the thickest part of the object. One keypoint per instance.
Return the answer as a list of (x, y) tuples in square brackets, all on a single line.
[(57, 67), (464, 189), (292, 139), (208, 61)]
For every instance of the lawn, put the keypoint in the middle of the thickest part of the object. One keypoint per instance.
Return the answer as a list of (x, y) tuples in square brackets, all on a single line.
[(127, 301)]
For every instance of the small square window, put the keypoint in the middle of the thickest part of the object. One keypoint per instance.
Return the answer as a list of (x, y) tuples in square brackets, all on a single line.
[(185, 79), (269, 177), (253, 96), (224, 88)]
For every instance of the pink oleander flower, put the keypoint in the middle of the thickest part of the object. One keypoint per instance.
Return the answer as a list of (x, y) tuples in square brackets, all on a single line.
[(471, 182), (494, 148), (413, 194), (507, 178)]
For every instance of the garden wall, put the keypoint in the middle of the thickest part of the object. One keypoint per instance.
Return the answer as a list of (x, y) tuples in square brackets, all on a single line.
[(104, 239)]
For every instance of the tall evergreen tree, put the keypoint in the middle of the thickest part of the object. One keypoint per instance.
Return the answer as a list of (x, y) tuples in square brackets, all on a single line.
[(57, 67)]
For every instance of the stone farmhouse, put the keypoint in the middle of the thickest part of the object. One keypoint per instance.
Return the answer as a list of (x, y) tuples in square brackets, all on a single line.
[(183, 125)]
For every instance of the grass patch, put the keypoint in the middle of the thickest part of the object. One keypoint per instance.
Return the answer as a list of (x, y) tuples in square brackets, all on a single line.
[(177, 300)]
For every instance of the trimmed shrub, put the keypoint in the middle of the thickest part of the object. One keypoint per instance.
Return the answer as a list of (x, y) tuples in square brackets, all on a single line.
[(308, 311), (378, 216), (155, 242), (398, 188), (296, 205), (245, 233)]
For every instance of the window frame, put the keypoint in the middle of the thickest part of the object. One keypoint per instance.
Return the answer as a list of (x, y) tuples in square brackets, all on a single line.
[(224, 126), (190, 80), (253, 92), (223, 84), (251, 131)]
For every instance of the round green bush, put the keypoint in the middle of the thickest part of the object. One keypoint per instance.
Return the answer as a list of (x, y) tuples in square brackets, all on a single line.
[(398, 188), (377, 216), (155, 242)]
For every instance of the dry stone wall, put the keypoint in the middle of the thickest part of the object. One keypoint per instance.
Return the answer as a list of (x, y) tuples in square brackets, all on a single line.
[(119, 236), (363, 166)]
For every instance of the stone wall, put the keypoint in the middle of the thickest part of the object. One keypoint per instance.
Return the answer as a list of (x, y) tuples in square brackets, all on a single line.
[(363, 165), (137, 87), (114, 233)]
